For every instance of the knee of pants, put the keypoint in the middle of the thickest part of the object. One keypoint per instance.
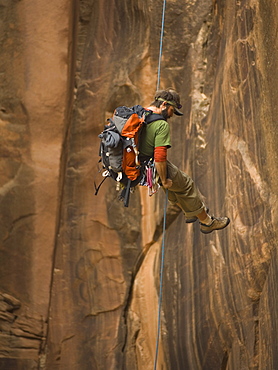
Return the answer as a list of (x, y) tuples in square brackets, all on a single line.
[(183, 184)]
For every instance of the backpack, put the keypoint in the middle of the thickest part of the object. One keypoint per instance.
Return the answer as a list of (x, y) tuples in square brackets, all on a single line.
[(119, 145)]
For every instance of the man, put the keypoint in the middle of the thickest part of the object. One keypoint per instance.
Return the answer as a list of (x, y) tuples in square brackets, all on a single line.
[(155, 141)]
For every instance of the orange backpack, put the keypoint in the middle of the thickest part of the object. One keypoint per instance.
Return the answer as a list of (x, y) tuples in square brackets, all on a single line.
[(119, 147)]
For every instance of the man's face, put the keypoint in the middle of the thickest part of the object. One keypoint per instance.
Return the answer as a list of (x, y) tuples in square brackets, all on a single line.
[(168, 112)]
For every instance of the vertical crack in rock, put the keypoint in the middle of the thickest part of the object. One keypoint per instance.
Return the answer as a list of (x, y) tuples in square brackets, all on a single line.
[(172, 213), (255, 364), (224, 361), (72, 61), (132, 335)]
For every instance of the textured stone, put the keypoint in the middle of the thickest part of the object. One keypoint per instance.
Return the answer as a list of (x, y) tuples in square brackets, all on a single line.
[(80, 273), (20, 335), (34, 83)]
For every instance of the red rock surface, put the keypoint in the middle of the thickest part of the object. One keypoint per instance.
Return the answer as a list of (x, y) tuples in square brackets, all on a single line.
[(80, 273)]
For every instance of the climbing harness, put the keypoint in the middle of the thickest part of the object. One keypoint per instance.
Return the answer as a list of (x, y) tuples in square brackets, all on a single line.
[(165, 205)]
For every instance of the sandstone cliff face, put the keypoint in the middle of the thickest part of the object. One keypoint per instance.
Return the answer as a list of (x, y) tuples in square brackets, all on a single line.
[(80, 273)]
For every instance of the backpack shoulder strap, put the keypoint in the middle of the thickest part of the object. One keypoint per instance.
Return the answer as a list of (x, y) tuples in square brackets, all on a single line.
[(153, 117)]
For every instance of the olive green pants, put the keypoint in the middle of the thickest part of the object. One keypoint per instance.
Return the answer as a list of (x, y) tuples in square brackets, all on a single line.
[(184, 192)]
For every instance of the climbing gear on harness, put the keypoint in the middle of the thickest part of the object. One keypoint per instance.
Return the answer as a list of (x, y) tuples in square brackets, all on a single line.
[(217, 223), (150, 177)]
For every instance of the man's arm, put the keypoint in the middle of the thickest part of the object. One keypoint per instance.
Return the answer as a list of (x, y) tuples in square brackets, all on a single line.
[(161, 168), (160, 156)]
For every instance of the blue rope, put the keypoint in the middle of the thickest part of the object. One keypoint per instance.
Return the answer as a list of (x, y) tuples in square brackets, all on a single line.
[(161, 42), (161, 279), (165, 205)]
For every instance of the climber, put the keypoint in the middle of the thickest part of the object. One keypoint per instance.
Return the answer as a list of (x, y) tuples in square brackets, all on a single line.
[(154, 142)]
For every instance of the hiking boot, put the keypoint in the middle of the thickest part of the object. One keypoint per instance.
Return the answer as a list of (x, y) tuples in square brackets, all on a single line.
[(218, 223), (193, 218)]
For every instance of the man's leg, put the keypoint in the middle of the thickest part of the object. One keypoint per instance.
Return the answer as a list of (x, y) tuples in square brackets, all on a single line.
[(186, 195)]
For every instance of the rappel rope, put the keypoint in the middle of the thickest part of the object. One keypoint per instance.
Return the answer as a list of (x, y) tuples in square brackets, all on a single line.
[(161, 43), (165, 207)]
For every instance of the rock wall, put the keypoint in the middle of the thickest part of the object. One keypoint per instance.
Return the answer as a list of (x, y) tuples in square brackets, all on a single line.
[(34, 103), (80, 273)]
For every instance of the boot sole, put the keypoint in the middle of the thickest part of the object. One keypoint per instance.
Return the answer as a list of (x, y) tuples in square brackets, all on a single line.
[(191, 220)]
